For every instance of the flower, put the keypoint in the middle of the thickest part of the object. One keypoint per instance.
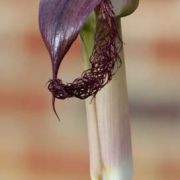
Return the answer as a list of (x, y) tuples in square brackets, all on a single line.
[(60, 22), (108, 124)]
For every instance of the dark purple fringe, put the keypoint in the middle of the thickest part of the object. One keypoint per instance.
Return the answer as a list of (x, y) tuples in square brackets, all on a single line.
[(105, 59)]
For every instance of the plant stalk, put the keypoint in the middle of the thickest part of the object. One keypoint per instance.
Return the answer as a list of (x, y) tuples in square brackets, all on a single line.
[(108, 123)]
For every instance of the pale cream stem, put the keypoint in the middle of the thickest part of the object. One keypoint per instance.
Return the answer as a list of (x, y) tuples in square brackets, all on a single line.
[(96, 165), (87, 36), (109, 128), (114, 127)]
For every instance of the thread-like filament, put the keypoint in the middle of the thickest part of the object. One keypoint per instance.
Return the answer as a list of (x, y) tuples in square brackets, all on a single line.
[(105, 59)]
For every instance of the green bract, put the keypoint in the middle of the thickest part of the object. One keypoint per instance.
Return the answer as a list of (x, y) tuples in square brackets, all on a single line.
[(124, 7)]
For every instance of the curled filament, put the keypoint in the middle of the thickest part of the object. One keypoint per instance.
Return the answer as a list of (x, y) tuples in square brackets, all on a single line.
[(105, 59)]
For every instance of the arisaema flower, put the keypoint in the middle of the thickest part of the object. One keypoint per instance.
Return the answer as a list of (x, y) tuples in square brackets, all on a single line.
[(61, 21)]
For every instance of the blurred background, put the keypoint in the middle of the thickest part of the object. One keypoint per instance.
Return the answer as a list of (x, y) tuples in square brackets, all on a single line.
[(34, 146)]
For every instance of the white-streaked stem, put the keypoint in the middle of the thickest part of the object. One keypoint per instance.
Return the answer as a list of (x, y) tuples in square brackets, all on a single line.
[(87, 36), (114, 128), (109, 130), (96, 166)]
